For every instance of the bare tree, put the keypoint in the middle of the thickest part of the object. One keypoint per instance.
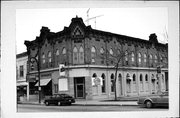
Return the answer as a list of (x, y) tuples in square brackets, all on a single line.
[(117, 58)]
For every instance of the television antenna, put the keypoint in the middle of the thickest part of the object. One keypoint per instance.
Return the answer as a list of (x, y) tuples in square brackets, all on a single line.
[(93, 18)]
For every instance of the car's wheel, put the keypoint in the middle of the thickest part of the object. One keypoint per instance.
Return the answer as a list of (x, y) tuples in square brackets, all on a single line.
[(59, 103), (47, 103), (149, 104)]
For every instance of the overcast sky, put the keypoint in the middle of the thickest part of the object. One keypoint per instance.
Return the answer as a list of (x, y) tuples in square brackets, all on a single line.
[(135, 22)]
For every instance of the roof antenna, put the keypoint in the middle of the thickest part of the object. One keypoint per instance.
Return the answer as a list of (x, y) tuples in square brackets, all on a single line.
[(88, 16)]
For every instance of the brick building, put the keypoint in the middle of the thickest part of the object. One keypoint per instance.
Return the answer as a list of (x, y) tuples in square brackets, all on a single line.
[(21, 72), (89, 55)]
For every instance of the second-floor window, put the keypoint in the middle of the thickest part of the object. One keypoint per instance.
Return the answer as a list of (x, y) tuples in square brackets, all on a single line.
[(64, 55), (75, 55), (139, 58), (102, 55), (81, 55), (49, 56), (21, 71), (43, 58), (150, 60), (145, 58), (93, 54), (155, 59), (126, 57), (132, 57)]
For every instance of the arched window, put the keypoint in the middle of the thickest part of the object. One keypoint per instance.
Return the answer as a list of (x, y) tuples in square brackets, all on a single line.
[(145, 58), (94, 75), (57, 52), (111, 51), (141, 82), (134, 78), (103, 83), (146, 78), (102, 50), (102, 55), (139, 58), (112, 83), (81, 55), (57, 57), (155, 59), (126, 57), (43, 58), (64, 55), (93, 54), (132, 57), (75, 55), (49, 56), (150, 60), (64, 51)]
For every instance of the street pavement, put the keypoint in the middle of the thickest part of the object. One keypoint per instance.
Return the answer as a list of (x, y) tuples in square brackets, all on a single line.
[(91, 103)]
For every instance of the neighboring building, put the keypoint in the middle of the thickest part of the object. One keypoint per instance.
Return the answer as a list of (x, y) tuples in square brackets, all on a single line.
[(85, 52), (21, 72)]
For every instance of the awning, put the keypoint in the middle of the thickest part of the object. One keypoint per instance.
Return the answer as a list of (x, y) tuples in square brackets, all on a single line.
[(21, 84), (43, 82)]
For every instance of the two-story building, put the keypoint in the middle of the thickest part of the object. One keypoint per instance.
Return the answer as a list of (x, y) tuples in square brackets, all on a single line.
[(90, 57), (21, 72)]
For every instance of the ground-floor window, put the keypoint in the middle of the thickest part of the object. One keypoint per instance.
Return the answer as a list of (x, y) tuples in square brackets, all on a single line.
[(103, 83), (112, 83), (141, 83), (63, 84), (55, 88)]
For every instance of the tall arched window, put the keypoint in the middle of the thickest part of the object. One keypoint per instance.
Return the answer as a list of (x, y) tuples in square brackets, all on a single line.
[(103, 83), (43, 58), (93, 54), (49, 56), (139, 58), (141, 82), (81, 55), (146, 83), (111, 54), (132, 57), (111, 51), (151, 60), (134, 82), (120, 84), (145, 58), (112, 83), (126, 57), (64, 55), (128, 82), (75, 55), (102, 55), (57, 57), (155, 59)]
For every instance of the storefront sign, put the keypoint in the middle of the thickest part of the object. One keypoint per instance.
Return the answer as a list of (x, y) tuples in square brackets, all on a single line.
[(96, 81), (61, 70)]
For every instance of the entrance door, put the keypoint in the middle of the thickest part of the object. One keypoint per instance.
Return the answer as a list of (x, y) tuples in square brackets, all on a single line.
[(79, 87)]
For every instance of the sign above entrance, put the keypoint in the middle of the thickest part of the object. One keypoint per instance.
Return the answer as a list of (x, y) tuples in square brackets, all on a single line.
[(96, 81)]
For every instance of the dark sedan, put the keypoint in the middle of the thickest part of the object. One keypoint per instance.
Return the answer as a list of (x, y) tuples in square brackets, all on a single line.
[(161, 99), (59, 99)]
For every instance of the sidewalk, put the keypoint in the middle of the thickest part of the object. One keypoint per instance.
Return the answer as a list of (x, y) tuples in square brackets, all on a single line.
[(91, 103)]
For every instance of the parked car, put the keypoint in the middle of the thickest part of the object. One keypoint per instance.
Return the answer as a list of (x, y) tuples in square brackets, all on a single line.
[(161, 99), (59, 99)]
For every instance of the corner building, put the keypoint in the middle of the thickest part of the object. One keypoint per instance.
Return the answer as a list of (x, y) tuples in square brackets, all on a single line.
[(89, 53)]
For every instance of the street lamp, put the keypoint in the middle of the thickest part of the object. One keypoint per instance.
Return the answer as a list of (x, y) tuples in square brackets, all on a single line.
[(36, 58)]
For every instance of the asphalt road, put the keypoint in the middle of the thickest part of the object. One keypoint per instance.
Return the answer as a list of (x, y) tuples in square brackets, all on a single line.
[(75, 108)]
